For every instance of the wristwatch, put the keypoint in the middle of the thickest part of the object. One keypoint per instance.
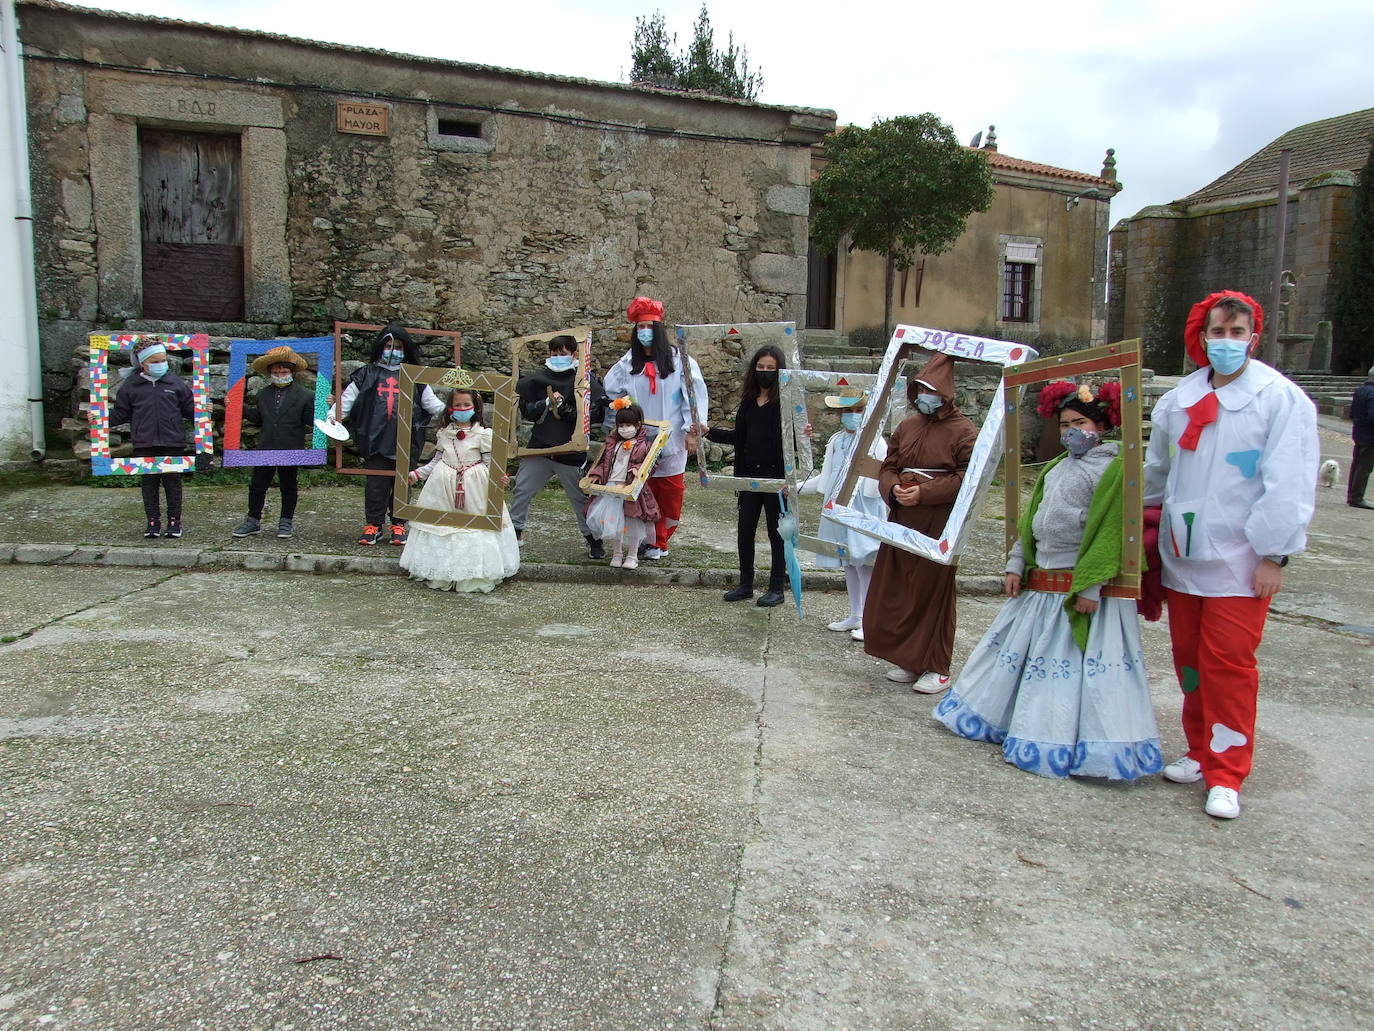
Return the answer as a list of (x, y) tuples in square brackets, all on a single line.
[(1278, 560)]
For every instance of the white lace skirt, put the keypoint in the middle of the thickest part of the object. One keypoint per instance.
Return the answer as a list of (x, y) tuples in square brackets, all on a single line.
[(448, 558)]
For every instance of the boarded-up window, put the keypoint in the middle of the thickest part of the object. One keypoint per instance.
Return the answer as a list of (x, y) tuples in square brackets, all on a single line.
[(192, 226)]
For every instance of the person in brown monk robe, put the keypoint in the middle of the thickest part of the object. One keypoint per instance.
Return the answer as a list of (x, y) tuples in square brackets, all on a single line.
[(909, 612)]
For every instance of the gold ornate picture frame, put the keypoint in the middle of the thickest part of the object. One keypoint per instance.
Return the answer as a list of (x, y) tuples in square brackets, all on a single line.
[(501, 412), (1122, 357), (631, 491), (580, 440)]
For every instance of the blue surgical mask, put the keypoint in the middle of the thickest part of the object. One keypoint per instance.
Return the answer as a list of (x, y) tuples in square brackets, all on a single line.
[(462, 414), (928, 404), (645, 335), (1226, 355), (560, 362), (392, 359), (852, 421), (1078, 442), (156, 369)]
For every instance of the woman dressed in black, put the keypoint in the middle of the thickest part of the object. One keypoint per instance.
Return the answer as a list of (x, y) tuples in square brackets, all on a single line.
[(757, 439)]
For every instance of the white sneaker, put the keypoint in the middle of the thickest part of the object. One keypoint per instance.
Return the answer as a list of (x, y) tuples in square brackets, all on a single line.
[(930, 683), (900, 676), (1183, 770), (1223, 803), (848, 623), (857, 633), (655, 553)]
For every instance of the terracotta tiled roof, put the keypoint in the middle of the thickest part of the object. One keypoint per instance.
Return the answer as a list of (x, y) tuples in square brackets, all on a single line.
[(1333, 144), (1005, 161)]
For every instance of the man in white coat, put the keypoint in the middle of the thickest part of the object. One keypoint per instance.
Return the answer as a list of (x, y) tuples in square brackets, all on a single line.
[(1233, 458)]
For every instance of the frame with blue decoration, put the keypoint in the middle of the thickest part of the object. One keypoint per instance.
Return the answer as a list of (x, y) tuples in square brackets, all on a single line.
[(1122, 357), (235, 395), (798, 462)]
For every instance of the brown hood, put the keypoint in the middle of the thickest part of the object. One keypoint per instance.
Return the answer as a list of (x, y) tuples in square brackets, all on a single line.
[(939, 373)]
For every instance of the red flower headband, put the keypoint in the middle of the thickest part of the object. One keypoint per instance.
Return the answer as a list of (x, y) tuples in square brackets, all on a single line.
[(1054, 396)]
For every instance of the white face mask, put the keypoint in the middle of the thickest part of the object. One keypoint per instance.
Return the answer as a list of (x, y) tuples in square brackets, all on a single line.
[(627, 432), (928, 404), (282, 381)]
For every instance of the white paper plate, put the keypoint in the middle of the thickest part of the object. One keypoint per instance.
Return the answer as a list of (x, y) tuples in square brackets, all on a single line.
[(333, 430)]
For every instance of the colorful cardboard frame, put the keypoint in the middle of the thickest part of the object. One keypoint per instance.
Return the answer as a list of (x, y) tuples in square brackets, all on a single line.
[(101, 344), (987, 449), (235, 395), (339, 328), (798, 462), (580, 440), (1122, 357), (829, 380), (631, 490), (502, 414)]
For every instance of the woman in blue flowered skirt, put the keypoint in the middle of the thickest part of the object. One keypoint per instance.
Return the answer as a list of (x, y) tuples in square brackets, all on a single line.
[(1059, 679)]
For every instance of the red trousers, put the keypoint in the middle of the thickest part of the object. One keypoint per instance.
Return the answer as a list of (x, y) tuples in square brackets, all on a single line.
[(1214, 641), (668, 491)]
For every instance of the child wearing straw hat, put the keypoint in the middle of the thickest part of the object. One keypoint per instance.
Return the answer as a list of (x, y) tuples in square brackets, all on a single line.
[(285, 410), (860, 550)]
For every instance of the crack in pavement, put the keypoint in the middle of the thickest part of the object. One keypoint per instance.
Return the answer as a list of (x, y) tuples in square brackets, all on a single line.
[(24, 635), (755, 825)]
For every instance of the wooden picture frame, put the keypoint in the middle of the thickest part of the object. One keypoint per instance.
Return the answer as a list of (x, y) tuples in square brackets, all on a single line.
[(797, 460), (339, 328), (580, 441), (502, 412), (983, 463), (101, 344), (235, 398), (631, 491), (1123, 357)]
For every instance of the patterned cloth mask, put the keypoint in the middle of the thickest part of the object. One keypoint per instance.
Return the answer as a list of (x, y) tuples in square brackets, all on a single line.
[(1079, 442), (282, 381)]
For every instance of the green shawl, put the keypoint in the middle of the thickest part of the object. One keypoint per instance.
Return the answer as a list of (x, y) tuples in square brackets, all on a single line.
[(1099, 554)]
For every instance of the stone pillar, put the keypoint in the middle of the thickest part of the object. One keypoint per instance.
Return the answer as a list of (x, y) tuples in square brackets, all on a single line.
[(267, 266), (114, 190)]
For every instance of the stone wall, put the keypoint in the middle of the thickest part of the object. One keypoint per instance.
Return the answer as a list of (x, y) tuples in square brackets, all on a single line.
[(1165, 259), (570, 197)]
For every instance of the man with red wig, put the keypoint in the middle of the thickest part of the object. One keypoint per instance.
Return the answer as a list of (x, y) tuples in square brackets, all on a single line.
[(1233, 459)]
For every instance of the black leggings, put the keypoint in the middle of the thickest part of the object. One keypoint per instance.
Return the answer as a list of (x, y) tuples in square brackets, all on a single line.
[(154, 484), (750, 505), (377, 501), (286, 476)]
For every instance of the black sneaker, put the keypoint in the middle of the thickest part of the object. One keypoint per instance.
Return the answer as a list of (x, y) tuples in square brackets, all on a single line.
[(595, 549), (154, 529), (173, 528), (739, 593), (771, 597)]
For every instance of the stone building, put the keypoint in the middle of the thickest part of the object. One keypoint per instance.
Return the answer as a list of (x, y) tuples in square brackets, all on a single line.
[(1030, 268), (252, 185), (1167, 257)]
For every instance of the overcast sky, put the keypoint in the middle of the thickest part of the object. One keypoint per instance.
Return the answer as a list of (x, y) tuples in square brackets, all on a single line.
[(1181, 97)]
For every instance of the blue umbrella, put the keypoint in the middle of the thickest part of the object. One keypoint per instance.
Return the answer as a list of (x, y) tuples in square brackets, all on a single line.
[(789, 527)]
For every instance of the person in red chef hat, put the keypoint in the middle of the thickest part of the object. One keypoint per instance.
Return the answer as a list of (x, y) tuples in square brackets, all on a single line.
[(650, 373), (1233, 458)]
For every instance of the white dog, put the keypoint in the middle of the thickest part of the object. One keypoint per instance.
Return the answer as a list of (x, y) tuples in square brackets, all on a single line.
[(1329, 473)]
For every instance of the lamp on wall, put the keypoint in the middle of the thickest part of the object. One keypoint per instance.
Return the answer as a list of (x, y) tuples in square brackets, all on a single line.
[(1072, 202)]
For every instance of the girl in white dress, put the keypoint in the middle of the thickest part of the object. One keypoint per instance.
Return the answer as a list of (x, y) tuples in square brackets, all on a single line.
[(860, 549), (450, 558)]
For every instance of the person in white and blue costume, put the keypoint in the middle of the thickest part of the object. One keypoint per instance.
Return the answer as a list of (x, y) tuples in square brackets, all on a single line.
[(859, 549), (1059, 678)]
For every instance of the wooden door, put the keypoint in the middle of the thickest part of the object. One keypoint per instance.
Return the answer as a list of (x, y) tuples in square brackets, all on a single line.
[(192, 226)]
